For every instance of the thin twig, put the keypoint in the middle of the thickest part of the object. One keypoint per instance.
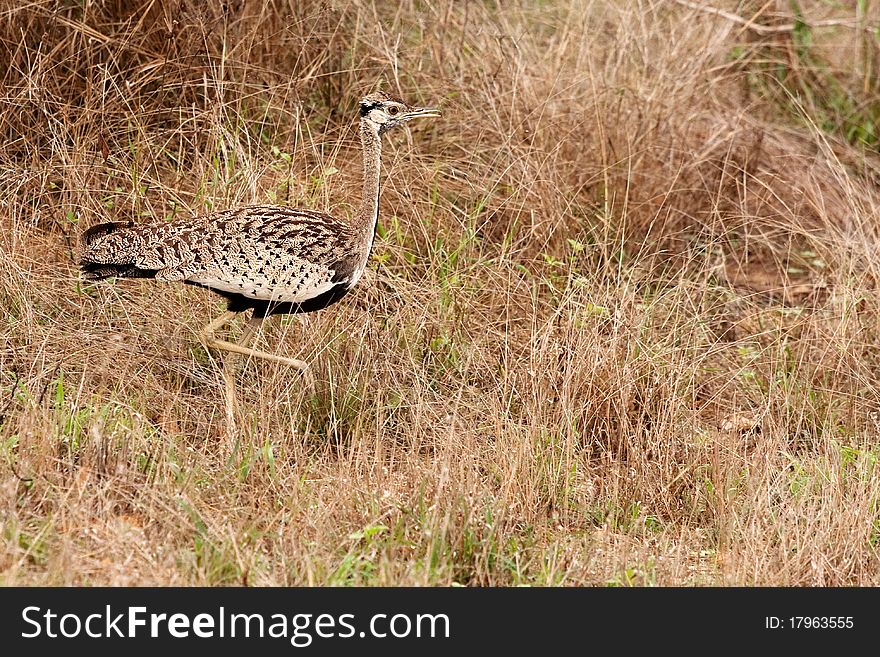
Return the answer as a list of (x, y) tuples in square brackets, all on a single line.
[(750, 24)]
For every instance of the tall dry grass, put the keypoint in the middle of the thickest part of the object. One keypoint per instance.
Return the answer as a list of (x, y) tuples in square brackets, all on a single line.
[(620, 324)]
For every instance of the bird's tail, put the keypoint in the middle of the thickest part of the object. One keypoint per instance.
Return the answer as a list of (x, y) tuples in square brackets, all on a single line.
[(111, 249)]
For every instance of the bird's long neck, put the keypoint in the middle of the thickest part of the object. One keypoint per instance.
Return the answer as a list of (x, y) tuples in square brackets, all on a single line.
[(366, 220)]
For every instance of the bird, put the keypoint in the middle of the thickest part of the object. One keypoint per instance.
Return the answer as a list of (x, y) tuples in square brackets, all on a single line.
[(269, 259)]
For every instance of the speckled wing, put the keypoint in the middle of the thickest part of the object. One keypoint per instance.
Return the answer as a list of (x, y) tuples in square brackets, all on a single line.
[(270, 253)]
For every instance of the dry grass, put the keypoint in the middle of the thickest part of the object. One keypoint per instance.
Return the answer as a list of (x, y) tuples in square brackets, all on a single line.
[(621, 324)]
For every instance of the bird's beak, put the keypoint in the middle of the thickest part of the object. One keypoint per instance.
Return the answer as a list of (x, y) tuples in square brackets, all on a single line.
[(422, 112)]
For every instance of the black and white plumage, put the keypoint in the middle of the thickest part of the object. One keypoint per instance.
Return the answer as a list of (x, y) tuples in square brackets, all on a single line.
[(271, 259)]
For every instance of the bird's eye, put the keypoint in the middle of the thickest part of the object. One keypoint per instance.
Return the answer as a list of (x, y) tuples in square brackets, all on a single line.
[(393, 110)]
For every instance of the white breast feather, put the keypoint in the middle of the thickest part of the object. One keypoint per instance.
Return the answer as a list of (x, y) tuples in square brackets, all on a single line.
[(270, 285)]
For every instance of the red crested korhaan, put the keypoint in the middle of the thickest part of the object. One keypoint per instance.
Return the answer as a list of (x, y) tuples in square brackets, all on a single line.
[(269, 259)]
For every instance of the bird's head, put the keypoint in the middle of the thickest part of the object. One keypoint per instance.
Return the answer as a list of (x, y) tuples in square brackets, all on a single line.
[(383, 111)]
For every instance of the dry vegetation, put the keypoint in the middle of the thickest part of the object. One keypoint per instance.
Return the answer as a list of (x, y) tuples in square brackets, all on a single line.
[(621, 325)]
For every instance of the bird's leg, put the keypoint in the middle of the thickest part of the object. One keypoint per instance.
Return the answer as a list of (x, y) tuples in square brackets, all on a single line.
[(207, 335), (252, 329), (207, 332), (253, 325)]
